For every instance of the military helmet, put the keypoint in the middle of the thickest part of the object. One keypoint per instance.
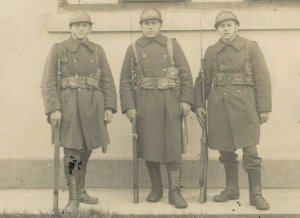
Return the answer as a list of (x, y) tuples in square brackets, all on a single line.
[(150, 14), (225, 15), (80, 16)]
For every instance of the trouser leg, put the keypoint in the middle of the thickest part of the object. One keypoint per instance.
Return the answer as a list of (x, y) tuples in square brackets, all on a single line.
[(156, 192), (82, 193), (252, 164), (231, 191), (71, 169), (174, 176)]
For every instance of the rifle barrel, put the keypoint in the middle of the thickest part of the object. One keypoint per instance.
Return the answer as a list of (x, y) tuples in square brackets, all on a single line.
[(134, 137)]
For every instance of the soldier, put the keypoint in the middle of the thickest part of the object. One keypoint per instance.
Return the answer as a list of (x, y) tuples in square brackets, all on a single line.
[(86, 103), (164, 95), (238, 88)]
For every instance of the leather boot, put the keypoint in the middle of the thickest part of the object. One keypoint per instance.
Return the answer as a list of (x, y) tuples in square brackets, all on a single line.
[(71, 174), (82, 193), (156, 192), (255, 196), (231, 191), (83, 196), (174, 175)]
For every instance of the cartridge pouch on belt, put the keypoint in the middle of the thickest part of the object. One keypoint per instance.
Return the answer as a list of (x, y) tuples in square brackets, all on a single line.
[(222, 79), (171, 80), (84, 82), (69, 80), (242, 77)]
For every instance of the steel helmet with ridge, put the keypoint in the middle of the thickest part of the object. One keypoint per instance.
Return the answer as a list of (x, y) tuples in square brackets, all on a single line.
[(226, 15), (150, 14), (80, 16)]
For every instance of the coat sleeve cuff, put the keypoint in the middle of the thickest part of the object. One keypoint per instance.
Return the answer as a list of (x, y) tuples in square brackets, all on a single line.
[(264, 109), (187, 100), (51, 108), (127, 106), (114, 110)]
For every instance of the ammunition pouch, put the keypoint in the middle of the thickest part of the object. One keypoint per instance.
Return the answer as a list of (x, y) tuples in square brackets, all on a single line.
[(222, 79), (171, 80), (84, 82)]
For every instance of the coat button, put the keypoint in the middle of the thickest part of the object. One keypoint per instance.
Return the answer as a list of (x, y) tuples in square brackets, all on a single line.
[(165, 56), (79, 89), (76, 75), (225, 93), (165, 70), (91, 61), (74, 60), (238, 91), (91, 75), (144, 56)]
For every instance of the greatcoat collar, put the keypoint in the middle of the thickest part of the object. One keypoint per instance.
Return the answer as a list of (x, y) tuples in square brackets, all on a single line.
[(73, 44), (237, 43), (144, 41)]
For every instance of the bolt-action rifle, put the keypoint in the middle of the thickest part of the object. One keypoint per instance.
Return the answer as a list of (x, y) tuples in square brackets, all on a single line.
[(204, 150), (56, 141), (134, 137)]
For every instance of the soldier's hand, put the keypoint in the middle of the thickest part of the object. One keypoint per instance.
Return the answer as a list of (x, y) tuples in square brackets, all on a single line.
[(108, 115), (55, 116), (131, 114), (201, 116), (185, 109), (263, 117)]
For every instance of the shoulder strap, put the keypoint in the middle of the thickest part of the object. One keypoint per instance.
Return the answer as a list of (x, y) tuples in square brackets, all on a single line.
[(247, 52), (96, 56), (58, 75), (59, 60), (170, 51), (133, 45)]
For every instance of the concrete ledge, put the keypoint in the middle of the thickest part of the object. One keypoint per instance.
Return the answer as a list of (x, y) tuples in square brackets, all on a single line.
[(118, 203), (118, 174)]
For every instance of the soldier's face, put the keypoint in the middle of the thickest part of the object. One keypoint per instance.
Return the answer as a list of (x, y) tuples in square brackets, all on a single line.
[(80, 30), (150, 28), (228, 29)]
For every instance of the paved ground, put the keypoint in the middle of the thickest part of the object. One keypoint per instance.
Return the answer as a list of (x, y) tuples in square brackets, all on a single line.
[(119, 201)]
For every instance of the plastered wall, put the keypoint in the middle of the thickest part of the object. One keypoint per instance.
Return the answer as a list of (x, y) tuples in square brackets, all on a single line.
[(29, 29)]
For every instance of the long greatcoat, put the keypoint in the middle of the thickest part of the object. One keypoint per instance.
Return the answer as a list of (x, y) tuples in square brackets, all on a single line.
[(82, 109), (233, 109), (159, 130)]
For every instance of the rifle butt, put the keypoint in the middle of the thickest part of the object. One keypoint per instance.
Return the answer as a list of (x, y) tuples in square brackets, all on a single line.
[(135, 195), (55, 205), (56, 179), (203, 195), (184, 134), (135, 162), (135, 180), (203, 168)]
